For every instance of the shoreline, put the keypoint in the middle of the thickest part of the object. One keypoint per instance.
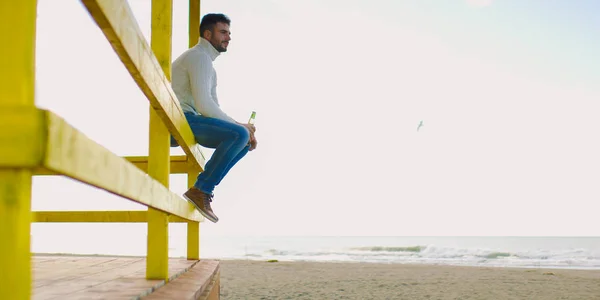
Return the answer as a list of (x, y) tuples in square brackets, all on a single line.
[(576, 268)]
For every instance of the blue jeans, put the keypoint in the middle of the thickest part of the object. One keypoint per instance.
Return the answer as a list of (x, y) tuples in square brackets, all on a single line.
[(230, 142)]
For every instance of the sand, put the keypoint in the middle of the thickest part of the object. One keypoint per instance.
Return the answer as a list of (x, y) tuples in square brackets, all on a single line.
[(304, 280)]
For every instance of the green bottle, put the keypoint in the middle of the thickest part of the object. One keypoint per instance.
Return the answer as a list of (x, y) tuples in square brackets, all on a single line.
[(252, 118)]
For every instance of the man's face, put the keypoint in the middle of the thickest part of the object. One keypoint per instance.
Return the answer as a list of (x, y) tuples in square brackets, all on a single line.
[(220, 36)]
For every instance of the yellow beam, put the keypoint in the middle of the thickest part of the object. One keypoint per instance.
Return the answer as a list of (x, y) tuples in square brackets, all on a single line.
[(65, 151), (179, 164), (134, 216), (157, 260), (17, 90), (118, 24), (193, 228), (71, 153)]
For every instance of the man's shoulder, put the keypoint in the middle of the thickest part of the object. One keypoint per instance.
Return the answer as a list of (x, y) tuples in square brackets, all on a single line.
[(194, 54)]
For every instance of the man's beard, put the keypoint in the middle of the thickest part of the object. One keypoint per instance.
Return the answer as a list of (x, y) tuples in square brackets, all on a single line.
[(218, 47)]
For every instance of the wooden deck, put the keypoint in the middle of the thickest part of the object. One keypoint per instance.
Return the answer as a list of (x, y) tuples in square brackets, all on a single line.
[(103, 277)]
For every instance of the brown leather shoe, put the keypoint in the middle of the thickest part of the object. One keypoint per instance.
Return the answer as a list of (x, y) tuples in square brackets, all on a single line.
[(201, 201)]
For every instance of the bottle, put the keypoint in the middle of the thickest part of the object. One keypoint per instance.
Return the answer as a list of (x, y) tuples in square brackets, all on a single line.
[(252, 118)]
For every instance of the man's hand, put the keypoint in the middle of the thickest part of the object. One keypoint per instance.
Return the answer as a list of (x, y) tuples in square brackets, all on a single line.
[(253, 142), (250, 127)]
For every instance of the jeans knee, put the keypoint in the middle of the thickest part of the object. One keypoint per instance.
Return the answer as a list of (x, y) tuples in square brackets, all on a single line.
[(243, 134)]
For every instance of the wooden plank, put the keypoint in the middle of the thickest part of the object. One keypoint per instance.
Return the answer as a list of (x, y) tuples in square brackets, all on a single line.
[(157, 260), (97, 277), (71, 153), (179, 164), (118, 24), (213, 291), (135, 216), (17, 89), (200, 282)]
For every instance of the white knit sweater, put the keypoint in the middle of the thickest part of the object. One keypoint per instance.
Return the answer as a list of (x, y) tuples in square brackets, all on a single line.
[(194, 81)]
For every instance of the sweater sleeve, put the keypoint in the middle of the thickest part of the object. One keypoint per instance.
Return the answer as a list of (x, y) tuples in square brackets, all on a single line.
[(200, 74)]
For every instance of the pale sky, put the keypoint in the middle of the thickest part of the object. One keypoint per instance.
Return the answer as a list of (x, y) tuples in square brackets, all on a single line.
[(507, 91)]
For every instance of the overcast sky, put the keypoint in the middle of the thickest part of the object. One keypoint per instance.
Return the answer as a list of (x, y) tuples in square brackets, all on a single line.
[(507, 90)]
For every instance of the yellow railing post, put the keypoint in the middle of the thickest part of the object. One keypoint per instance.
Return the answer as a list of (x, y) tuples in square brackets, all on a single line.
[(17, 69), (194, 22), (157, 260), (193, 228)]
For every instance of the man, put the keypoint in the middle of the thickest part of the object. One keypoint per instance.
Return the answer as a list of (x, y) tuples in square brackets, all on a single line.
[(194, 82)]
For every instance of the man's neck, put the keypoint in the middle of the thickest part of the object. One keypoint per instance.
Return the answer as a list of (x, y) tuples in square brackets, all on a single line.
[(210, 49)]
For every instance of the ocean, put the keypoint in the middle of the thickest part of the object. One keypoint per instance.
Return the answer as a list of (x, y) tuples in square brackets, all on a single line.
[(528, 252)]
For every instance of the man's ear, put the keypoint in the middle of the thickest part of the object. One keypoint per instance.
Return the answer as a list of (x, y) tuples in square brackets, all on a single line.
[(207, 35)]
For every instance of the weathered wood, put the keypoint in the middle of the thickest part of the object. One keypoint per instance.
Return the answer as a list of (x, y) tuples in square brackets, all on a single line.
[(200, 282), (98, 277), (118, 24), (134, 216)]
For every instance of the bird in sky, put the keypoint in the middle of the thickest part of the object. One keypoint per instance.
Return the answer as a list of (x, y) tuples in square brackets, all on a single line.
[(420, 125)]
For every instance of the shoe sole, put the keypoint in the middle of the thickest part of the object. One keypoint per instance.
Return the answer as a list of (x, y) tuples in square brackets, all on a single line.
[(200, 210)]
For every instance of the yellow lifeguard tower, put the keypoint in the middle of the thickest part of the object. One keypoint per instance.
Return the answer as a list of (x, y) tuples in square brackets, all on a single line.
[(34, 141)]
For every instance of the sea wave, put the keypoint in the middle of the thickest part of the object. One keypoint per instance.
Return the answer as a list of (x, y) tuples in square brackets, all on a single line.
[(391, 249), (432, 254)]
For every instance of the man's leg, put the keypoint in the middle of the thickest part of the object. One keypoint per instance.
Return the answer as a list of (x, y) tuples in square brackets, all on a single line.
[(233, 139), (233, 162), (230, 143)]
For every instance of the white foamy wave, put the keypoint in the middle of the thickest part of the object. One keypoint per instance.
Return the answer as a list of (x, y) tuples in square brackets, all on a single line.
[(575, 258)]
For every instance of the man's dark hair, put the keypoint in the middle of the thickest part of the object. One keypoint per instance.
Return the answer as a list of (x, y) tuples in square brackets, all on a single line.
[(210, 20)]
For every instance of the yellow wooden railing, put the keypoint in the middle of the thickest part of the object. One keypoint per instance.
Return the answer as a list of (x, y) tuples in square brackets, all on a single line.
[(34, 141)]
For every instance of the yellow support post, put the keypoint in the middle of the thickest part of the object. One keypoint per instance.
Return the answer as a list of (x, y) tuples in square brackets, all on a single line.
[(17, 81), (157, 260), (193, 228), (194, 23), (15, 220)]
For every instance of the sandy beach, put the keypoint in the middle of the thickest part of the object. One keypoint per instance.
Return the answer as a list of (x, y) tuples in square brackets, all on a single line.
[(308, 280)]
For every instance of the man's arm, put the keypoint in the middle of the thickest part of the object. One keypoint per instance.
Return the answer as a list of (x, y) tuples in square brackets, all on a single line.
[(200, 71)]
